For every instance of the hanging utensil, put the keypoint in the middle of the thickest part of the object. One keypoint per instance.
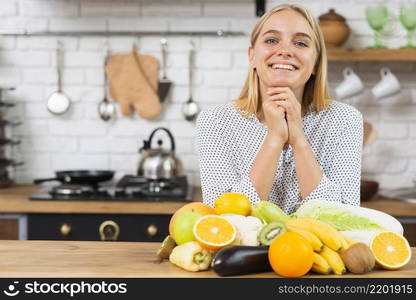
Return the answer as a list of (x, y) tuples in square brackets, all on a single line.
[(106, 108), (58, 103), (370, 134), (164, 82), (190, 108)]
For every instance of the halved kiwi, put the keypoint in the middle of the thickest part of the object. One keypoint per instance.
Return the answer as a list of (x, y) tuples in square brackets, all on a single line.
[(271, 231), (166, 248)]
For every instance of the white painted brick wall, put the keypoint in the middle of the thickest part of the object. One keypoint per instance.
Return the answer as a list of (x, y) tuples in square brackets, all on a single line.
[(80, 139), (25, 58), (142, 24), (78, 128), (80, 161), (216, 9), (124, 8), (48, 8), (7, 43), (187, 9), (8, 8), (77, 24)]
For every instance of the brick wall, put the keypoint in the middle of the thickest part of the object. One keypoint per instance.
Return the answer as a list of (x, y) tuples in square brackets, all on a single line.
[(79, 139)]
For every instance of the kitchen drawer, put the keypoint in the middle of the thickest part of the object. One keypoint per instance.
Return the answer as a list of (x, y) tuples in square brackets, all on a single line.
[(86, 227), (12, 227)]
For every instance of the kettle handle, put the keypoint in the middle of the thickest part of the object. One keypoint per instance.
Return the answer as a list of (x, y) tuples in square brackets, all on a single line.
[(172, 141)]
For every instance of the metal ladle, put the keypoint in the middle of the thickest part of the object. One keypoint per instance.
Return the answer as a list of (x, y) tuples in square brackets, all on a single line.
[(106, 109), (190, 108), (58, 103)]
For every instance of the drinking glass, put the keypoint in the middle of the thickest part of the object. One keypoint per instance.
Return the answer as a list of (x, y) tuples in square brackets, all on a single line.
[(377, 16), (408, 20)]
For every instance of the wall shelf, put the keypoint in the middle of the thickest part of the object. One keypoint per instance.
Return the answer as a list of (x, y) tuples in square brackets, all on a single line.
[(351, 55), (219, 33)]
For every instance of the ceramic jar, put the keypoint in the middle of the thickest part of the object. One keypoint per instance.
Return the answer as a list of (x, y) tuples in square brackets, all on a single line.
[(334, 28)]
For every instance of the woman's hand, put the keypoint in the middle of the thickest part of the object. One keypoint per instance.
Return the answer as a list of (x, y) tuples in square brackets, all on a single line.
[(274, 116), (284, 98)]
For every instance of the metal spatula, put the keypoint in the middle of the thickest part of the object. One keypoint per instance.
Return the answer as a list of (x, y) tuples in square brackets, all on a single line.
[(164, 82)]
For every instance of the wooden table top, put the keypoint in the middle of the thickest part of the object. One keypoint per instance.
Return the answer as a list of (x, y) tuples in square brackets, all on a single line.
[(70, 259), (16, 200)]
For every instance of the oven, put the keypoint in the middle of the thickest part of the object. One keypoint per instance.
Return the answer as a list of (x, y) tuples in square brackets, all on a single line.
[(98, 227), (106, 226)]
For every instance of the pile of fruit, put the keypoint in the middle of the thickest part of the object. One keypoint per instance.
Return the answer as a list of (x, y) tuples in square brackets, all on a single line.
[(236, 238)]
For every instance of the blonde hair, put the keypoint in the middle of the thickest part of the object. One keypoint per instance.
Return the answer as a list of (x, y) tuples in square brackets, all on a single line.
[(315, 94)]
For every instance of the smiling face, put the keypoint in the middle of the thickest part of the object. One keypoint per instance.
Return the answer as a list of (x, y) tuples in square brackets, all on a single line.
[(284, 53)]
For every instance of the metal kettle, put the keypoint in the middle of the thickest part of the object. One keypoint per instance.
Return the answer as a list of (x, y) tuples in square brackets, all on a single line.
[(159, 163)]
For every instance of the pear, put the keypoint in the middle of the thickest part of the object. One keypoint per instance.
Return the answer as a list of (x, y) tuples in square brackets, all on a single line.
[(269, 212)]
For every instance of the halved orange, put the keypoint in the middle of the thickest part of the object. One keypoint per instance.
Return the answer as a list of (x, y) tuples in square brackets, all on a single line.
[(391, 250), (214, 232)]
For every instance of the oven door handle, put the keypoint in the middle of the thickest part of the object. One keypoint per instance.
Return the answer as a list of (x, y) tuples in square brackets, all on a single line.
[(109, 230)]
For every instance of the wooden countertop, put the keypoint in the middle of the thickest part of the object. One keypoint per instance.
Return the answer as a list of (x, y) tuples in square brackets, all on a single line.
[(25, 259), (16, 200)]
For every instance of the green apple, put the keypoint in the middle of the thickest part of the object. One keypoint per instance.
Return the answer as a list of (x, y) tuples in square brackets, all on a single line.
[(183, 227)]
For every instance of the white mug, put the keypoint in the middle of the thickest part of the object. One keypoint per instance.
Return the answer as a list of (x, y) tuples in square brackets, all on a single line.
[(350, 86), (387, 86)]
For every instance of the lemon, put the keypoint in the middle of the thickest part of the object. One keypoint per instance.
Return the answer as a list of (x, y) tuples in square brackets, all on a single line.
[(232, 203)]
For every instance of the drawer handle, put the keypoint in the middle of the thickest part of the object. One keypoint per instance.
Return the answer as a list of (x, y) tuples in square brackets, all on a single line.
[(66, 229), (152, 230), (109, 231)]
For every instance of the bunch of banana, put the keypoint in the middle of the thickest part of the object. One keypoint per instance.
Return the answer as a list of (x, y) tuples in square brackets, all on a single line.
[(326, 242)]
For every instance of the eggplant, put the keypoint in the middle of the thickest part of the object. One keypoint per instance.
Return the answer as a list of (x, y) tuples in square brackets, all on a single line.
[(240, 260)]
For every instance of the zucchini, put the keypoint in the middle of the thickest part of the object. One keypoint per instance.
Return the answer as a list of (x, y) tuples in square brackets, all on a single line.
[(240, 260)]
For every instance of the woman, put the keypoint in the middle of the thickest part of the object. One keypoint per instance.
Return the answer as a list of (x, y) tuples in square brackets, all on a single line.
[(283, 140)]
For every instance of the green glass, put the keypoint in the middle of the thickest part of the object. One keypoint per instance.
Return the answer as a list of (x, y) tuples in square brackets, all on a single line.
[(377, 16), (408, 20)]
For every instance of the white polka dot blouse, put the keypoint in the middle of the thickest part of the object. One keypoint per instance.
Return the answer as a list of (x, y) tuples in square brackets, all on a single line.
[(228, 143)]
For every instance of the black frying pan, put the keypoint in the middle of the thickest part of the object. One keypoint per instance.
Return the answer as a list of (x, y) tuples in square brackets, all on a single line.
[(79, 177)]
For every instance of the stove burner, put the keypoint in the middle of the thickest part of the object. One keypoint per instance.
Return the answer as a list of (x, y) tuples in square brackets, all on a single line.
[(72, 189), (129, 188), (142, 187)]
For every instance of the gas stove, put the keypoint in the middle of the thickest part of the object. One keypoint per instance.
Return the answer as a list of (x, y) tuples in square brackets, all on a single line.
[(128, 188)]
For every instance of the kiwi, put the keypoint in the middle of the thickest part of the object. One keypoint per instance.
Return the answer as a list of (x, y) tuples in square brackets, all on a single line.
[(271, 231), (166, 248)]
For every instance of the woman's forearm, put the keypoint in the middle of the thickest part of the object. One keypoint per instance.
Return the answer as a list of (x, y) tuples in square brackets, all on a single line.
[(308, 173), (263, 171)]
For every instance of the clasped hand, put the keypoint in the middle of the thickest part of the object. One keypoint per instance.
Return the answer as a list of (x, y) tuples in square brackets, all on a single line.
[(283, 115)]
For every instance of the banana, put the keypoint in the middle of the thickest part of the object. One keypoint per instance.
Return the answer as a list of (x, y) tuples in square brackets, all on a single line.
[(326, 233), (312, 238), (344, 243), (320, 265), (334, 260)]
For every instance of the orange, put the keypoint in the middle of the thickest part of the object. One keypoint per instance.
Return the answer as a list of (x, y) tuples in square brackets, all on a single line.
[(291, 255), (232, 203), (214, 232), (391, 250), (198, 207)]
